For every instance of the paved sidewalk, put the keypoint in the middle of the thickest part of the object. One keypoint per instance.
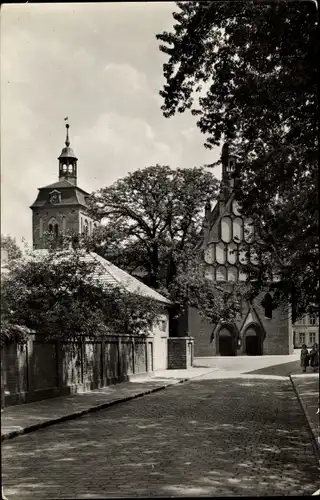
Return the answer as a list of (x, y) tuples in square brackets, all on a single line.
[(307, 389), (20, 419)]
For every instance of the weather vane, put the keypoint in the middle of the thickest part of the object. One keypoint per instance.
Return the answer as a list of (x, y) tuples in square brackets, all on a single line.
[(67, 143)]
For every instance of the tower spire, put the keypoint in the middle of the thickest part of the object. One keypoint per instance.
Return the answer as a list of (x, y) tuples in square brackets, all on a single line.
[(68, 161), (67, 143)]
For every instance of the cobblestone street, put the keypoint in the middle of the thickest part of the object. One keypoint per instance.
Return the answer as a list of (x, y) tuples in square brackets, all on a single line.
[(208, 437)]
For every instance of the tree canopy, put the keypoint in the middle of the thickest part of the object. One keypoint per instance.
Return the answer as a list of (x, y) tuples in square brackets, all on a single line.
[(59, 293), (152, 219), (9, 243), (248, 71)]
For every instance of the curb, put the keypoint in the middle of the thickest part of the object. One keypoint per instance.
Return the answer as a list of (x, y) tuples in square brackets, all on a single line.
[(315, 438), (102, 406)]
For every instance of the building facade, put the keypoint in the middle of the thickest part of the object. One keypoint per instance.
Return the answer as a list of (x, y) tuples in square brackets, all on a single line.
[(226, 244), (306, 331), (61, 207)]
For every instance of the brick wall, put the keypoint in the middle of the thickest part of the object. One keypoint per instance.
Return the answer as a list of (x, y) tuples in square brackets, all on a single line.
[(180, 353), (40, 370), (201, 332), (71, 214), (278, 340)]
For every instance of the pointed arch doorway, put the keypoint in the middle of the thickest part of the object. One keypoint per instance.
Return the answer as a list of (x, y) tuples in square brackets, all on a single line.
[(253, 341), (226, 342)]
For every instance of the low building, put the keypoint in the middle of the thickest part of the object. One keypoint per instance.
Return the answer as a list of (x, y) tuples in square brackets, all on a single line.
[(306, 331), (61, 207)]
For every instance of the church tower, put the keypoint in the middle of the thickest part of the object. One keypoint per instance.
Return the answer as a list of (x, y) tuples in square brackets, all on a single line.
[(224, 249), (68, 162), (61, 207)]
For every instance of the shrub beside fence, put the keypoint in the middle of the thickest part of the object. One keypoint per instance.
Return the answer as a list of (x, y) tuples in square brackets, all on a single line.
[(42, 369)]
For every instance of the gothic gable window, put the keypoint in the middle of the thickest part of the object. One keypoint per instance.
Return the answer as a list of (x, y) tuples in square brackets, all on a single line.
[(237, 229), (209, 254), (268, 306), (53, 227), (221, 273), (55, 197), (226, 229)]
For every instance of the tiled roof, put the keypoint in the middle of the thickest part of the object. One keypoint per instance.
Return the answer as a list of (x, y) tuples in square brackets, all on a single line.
[(63, 184), (113, 275), (70, 195)]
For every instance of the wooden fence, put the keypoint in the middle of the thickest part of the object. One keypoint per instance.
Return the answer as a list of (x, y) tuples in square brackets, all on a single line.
[(42, 369)]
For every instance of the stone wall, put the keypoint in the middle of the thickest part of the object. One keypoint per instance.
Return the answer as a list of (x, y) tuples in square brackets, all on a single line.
[(180, 353), (278, 331), (160, 331), (42, 369), (71, 214)]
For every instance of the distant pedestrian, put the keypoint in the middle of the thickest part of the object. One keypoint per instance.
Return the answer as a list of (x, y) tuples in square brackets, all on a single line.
[(314, 357), (304, 358)]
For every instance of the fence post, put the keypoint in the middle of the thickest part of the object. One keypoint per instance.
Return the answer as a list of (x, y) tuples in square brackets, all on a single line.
[(30, 381), (82, 354), (119, 357), (133, 356), (103, 363), (59, 364)]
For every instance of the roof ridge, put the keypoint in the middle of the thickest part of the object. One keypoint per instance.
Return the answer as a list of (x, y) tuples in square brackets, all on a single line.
[(102, 261)]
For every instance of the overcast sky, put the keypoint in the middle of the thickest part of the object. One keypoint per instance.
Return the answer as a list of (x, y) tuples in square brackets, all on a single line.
[(100, 65)]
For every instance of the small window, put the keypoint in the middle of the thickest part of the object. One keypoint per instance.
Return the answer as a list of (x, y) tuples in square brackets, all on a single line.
[(302, 338), (312, 337), (70, 168), (50, 228), (312, 320), (163, 325), (56, 230), (64, 168)]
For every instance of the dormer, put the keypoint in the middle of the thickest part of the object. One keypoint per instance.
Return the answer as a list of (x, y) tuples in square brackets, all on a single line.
[(55, 197)]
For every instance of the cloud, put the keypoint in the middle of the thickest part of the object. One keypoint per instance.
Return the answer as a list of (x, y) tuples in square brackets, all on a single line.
[(100, 65), (128, 77)]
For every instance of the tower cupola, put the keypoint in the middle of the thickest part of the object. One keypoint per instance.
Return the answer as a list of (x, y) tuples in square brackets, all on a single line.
[(68, 162), (229, 160)]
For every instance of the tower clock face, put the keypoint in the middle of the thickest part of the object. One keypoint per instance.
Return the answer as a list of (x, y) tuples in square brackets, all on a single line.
[(54, 198)]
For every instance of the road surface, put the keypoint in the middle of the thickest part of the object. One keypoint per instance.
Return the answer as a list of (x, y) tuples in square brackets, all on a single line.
[(235, 437)]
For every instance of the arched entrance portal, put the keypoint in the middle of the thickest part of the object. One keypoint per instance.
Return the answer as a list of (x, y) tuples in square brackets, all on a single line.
[(226, 342), (253, 341)]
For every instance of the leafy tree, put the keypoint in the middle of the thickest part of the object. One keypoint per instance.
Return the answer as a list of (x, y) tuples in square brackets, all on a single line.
[(214, 301), (253, 67), (9, 243), (59, 293), (152, 219)]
